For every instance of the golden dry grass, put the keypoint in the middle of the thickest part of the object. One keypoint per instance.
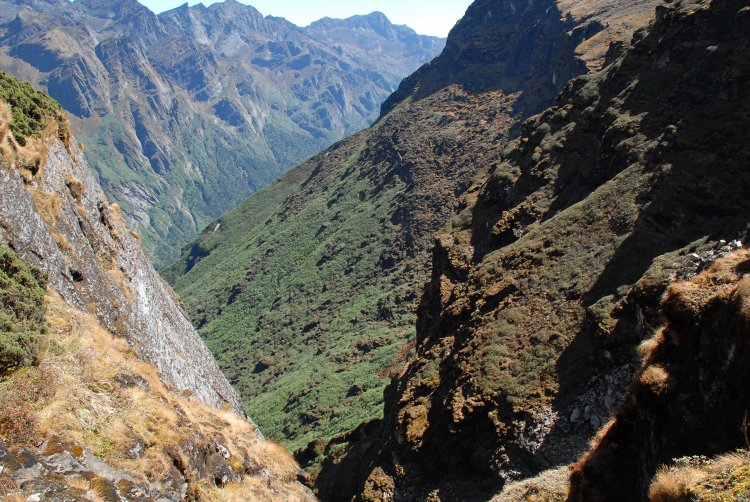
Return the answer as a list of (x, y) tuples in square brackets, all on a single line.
[(31, 158), (548, 486), (89, 404), (701, 480), (655, 378), (673, 485)]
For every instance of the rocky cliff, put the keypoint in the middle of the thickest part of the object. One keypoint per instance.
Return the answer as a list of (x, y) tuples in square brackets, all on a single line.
[(550, 275), (55, 216), (186, 113), (690, 399), (307, 292), (106, 390), (90, 421)]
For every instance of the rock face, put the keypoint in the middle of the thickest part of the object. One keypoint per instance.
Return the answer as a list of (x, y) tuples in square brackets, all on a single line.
[(186, 113), (690, 398), (55, 216), (551, 273), (308, 288)]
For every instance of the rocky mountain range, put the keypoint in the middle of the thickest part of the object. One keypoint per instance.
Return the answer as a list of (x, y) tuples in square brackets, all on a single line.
[(307, 293), (186, 113), (527, 280)]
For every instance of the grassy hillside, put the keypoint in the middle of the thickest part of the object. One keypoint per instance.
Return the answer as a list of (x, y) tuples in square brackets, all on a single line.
[(91, 421), (546, 281), (30, 109), (29, 119), (264, 340)]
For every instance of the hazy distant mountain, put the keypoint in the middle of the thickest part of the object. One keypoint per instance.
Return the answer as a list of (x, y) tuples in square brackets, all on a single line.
[(186, 113), (390, 49)]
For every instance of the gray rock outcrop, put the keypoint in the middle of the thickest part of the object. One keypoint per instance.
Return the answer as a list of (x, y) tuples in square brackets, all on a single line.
[(60, 221)]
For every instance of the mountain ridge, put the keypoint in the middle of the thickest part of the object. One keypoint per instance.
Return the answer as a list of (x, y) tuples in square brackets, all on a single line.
[(552, 272), (187, 112)]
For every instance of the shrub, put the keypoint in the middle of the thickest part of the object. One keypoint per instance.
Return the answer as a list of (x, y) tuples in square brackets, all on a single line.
[(31, 109), (21, 312), (18, 422)]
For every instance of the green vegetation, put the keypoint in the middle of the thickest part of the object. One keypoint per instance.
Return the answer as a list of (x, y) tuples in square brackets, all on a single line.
[(21, 312), (30, 109), (187, 200), (290, 294), (730, 485)]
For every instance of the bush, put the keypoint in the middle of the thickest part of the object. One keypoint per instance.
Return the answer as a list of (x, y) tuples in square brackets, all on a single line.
[(22, 311), (31, 109), (18, 422)]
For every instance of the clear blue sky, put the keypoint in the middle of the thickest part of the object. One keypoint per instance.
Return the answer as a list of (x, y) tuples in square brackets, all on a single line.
[(428, 17)]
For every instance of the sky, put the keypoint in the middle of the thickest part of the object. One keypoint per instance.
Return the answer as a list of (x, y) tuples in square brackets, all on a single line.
[(427, 17)]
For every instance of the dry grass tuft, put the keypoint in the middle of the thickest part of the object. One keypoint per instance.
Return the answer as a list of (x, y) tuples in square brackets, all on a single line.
[(655, 378), (548, 486), (647, 349), (674, 485), (87, 402), (725, 478)]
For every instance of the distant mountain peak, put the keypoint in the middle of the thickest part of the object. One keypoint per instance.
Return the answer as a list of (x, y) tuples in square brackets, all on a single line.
[(377, 15), (109, 7), (233, 6)]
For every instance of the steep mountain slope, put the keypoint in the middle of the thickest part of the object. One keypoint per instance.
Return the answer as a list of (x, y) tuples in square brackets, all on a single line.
[(85, 415), (306, 293), (690, 398), (551, 274), (91, 421), (55, 216), (186, 113)]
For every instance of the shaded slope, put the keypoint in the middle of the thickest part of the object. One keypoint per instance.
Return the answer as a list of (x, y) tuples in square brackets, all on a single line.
[(690, 398), (186, 113), (551, 274), (309, 304)]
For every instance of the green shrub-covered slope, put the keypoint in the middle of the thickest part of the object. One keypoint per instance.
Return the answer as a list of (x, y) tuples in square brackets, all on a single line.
[(307, 292), (30, 109), (21, 312), (284, 278)]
